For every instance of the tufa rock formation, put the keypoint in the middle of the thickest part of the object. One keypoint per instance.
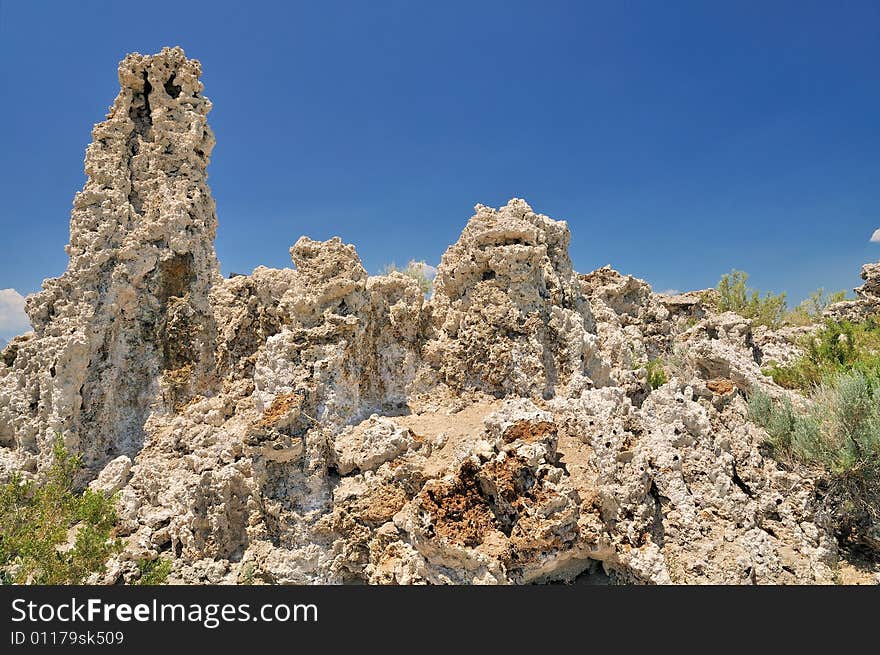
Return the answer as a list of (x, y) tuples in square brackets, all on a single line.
[(320, 425), (133, 303), (508, 314), (867, 298)]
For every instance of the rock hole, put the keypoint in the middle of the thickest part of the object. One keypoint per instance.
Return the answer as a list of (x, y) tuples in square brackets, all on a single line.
[(140, 112), (171, 88), (738, 481), (593, 574), (658, 532), (141, 115)]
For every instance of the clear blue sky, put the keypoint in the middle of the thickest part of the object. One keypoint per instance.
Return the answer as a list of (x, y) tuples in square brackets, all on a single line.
[(678, 139)]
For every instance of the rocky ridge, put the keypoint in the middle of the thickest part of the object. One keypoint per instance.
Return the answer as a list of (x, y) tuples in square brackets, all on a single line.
[(321, 425)]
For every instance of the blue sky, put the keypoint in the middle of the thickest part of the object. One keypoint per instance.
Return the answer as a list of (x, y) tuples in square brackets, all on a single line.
[(679, 140)]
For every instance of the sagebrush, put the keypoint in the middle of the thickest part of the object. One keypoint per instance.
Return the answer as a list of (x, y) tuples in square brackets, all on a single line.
[(811, 310), (838, 434)]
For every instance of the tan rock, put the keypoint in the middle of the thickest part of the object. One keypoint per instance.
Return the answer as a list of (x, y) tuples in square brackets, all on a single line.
[(113, 476), (319, 425)]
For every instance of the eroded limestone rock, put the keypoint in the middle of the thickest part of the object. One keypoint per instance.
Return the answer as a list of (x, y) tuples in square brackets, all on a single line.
[(508, 315), (319, 425), (131, 311)]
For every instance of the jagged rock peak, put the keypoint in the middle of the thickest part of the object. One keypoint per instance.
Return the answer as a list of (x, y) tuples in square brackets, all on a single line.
[(133, 302), (146, 199), (508, 310), (870, 290), (867, 298), (512, 232)]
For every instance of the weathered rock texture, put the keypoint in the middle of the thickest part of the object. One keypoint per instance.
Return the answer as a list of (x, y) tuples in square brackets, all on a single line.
[(867, 301), (508, 313), (319, 425), (130, 315)]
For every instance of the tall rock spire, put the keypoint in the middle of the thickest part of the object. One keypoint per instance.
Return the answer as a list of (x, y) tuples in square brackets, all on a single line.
[(128, 323)]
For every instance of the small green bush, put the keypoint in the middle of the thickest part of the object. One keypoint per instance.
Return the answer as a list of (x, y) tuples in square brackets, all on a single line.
[(35, 520), (776, 418), (247, 575), (656, 374), (839, 347), (840, 431), (415, 270), (811, 310), (154, 572), (734, 295)]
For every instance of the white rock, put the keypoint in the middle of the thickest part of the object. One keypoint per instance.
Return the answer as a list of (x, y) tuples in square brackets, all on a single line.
[(113, 476)]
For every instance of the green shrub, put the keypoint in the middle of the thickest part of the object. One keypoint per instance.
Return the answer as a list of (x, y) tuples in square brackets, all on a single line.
[(247, 575), (811, 310), (414, 269), (840, 431), (154, 572), (734, 295), (776, 418), (838, 347), (35, 520), (656, 374), (839, 434)]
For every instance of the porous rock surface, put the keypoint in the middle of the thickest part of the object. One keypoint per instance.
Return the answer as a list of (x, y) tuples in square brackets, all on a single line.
[(133, 303), (320, 425), (867, 298)]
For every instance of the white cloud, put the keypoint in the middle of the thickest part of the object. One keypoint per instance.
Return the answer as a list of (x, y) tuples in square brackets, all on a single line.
[(13, 320), (875, 238), (670, 292)]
